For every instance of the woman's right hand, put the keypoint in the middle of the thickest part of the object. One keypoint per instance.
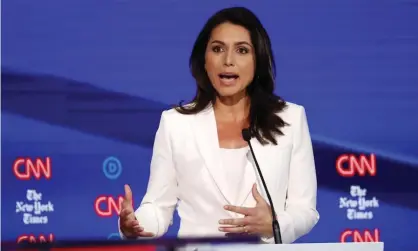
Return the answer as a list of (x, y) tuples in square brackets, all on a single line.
[(129, 225)]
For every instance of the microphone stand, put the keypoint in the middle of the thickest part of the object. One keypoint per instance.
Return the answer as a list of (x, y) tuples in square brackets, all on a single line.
[(275, 224)]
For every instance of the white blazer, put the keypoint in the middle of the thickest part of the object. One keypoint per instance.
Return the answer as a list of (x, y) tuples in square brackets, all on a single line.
[(186, 172)]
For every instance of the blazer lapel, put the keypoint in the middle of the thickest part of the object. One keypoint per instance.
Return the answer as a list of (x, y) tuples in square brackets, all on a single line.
[(206, 133)]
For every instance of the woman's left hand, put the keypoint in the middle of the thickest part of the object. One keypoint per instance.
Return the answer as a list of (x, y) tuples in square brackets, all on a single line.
[(257, 220)]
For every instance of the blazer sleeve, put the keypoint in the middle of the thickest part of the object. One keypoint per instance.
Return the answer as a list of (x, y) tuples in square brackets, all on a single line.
[(300, 214), (155, 212)]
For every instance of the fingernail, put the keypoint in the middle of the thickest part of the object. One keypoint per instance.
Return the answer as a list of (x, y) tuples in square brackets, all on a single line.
[(226, 207), (221, 222)]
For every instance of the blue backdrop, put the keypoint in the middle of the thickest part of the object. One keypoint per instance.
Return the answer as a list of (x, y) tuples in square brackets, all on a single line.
[(84, 84)]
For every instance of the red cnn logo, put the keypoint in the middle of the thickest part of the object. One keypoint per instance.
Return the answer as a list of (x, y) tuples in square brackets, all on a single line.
[(27, 168), (35, 239), (357, 236), (108, 206), (348, 165)]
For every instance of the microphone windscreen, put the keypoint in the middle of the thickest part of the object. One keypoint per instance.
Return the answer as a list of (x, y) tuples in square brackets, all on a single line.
[(246, 134)]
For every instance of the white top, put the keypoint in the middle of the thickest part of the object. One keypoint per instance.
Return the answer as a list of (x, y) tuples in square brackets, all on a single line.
[(187, 173), (234, 161)]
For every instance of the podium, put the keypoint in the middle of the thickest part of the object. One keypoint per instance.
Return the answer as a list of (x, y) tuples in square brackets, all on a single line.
[(358, 246), (200, 244)]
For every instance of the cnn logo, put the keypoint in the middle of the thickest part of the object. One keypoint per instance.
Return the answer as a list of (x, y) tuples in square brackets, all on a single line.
[(358, 236), (35, 239), (108, 206), (27, 168), (349, 165)]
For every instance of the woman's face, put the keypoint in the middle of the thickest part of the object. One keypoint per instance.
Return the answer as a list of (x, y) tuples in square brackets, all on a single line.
[(230, 60)]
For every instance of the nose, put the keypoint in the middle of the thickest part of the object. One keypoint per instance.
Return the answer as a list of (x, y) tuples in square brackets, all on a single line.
[(229, 58)]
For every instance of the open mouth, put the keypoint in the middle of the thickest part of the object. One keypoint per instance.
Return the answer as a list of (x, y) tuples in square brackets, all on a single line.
[(228, 76)]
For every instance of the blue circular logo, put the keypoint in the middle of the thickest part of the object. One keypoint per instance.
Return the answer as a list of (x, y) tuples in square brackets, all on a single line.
[(114, 236), (112, 168)]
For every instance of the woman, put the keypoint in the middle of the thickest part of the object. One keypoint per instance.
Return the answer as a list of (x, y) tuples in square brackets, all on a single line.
[(201, 163)]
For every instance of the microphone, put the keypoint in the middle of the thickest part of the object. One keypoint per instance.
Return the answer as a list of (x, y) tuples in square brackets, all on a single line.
[(246, 135)]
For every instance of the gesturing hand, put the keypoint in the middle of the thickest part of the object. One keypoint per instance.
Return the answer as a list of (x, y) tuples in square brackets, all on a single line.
[(129, 225), (257, 220)]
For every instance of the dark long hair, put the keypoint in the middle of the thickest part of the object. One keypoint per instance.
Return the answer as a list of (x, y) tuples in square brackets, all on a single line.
[(264, 104)]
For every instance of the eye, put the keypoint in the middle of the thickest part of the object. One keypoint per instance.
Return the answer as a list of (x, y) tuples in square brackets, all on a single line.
[(243, 50), (217, 48)]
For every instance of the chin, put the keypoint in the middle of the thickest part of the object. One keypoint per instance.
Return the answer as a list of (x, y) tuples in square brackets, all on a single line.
[(224, 92)]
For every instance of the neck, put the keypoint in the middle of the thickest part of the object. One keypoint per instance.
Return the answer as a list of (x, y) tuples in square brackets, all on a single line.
[(234, 108)]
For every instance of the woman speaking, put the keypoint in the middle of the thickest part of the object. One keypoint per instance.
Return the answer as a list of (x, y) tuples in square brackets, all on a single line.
[(201, 163)]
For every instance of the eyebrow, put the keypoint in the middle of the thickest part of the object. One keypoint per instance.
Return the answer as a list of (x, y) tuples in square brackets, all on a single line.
[(237, 43)]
